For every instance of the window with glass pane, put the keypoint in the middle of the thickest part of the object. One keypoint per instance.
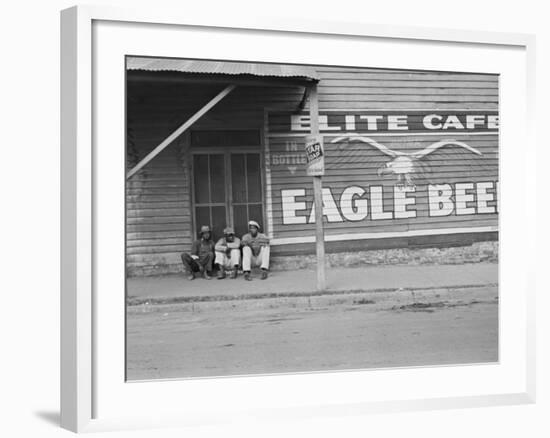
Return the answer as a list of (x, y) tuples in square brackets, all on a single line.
[(246, 186), (210, 199)]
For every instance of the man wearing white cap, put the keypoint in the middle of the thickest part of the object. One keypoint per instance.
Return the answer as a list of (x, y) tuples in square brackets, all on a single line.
[(255, 250), (228, 253)]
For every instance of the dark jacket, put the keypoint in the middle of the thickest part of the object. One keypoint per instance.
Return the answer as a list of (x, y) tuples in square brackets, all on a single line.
[(202, 248)]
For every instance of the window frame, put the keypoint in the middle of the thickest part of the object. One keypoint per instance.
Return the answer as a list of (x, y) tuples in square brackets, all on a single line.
[(226, 151)]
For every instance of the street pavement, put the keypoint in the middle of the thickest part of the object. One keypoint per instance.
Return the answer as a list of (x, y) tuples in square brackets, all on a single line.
[(317, 333), (368, 317)]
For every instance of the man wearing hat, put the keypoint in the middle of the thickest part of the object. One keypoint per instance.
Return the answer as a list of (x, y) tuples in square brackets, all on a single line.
[(228, 253), (202, 255), (255, 250)]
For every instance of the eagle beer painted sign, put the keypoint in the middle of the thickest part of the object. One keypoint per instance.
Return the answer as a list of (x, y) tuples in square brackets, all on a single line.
[(395, 172)]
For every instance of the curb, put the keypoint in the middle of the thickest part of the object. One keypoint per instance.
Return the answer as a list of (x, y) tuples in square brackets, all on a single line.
[(136, 301)]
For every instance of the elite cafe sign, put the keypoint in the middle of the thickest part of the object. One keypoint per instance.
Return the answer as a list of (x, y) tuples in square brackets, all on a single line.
[(357, 203), (413, 121)]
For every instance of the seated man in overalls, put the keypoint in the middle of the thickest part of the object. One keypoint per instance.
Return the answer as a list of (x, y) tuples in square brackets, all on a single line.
[(228, 253), (255, 250), (201, 257)]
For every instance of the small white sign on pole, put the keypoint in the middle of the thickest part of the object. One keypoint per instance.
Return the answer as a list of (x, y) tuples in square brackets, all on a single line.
[(315, 155)]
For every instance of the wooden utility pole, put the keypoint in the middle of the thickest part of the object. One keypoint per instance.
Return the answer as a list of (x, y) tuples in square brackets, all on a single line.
[(318, 191)]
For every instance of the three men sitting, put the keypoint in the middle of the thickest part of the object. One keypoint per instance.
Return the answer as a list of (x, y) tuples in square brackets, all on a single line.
[(226, 253)]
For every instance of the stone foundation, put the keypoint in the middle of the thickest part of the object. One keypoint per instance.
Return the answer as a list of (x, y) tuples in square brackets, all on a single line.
[(475, 253)]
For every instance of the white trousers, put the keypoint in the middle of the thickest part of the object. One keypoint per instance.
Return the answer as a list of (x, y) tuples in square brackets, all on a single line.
[(228, 262), (261, 260)]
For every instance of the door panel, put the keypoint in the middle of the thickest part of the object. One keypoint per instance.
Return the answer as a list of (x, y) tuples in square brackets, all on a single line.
[(240, 219), (246, 183), (219, 221), (255, 212), (217, 178), (254, 178), (238, 178), (202, 186), (210, 200)]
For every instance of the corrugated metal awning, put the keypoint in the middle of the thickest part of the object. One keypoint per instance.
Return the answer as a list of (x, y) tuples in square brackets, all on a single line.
[(223, 68)]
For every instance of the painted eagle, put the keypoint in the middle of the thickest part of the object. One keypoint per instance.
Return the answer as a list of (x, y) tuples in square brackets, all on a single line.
[(407, 165)]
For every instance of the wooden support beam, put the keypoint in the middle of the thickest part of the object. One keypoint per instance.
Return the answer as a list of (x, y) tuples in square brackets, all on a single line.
[(180, 130), (317, 193)]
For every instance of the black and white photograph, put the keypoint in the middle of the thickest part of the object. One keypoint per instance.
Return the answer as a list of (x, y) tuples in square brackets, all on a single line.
[(307, 218), (294, 219)]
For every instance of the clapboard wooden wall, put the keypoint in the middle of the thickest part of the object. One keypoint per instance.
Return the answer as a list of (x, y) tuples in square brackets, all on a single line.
[(159, 219), (159, 215), (349, 88)]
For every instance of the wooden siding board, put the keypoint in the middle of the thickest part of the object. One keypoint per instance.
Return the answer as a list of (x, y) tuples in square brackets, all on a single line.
[(404, 91), (443, 240), (380, 227), (432, 98), (335, 81), (428, 105)]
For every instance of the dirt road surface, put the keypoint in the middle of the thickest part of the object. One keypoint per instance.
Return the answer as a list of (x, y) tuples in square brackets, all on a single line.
[(329, 333)]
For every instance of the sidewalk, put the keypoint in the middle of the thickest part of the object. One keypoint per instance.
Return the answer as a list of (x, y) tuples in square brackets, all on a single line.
[(302, 282)]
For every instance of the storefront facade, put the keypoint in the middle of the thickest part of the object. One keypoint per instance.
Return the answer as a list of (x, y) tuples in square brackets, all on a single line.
[(411, 160)]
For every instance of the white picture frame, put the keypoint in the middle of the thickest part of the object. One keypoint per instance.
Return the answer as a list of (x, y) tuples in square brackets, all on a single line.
[(87, 375)]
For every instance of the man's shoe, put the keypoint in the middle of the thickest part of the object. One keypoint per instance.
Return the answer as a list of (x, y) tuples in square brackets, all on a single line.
[(247, 276), (221, 274), (191, 276), (264, 274), (233, 274), (206, 275)]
